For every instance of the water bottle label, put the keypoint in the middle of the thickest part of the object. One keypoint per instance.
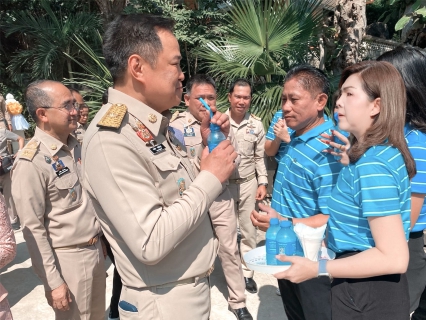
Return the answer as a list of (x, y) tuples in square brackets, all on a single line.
[(288, 249), (271, 246)]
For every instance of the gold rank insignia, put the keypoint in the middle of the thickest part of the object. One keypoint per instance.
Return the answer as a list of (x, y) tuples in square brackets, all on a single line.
[(32, 144), (30, 150), (53, 147), (255, 117), (152, 118), (174, 116), (113, 117)]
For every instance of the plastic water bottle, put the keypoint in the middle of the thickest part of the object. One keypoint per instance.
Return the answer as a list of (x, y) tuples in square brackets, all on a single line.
[(271, 243), (215, 137), (337, 140), (286, 241)]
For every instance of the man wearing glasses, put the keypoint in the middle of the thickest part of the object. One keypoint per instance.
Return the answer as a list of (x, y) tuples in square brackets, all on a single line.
[(59, 224), (83, 115)]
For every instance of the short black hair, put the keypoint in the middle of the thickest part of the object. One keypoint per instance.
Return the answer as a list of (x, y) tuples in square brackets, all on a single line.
[(411, 64), (240, 82), (133, 34), (105, 97), (35, 97), (312, 79), (197, 80)]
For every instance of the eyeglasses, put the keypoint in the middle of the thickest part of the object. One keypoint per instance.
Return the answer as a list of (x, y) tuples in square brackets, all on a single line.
[(68, 107), (83, 105)]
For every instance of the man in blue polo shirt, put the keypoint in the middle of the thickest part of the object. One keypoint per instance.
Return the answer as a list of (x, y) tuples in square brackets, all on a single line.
[(304, 180)]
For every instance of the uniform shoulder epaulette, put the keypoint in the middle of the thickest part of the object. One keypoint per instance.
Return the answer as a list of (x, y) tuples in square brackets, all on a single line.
[(29, 150), (255, 117), (174, 116), (113, 117)]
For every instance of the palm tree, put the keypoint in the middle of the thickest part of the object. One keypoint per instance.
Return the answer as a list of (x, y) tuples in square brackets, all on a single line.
[(48, 43), (265, 38)]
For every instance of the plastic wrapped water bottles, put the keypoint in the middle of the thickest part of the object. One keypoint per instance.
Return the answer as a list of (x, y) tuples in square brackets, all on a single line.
[(271, 243), (215, 137)]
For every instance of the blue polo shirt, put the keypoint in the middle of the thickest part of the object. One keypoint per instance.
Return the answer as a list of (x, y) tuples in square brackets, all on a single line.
[(305, 175), (376, 185), (416, 141)]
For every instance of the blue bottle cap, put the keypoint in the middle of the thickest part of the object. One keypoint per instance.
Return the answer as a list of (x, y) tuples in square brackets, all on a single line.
[(273, 221), (336, 117), (285, 224)]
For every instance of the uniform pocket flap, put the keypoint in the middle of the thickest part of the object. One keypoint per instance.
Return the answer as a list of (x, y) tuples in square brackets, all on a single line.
[(167, 163), (250, 137), (67, 181)]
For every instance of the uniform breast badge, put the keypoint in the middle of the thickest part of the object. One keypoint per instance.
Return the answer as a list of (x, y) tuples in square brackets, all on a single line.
[(73, 194), (47, 159), (181, 186), (188, 132), (60, 168), (144, 134), (192, 152)]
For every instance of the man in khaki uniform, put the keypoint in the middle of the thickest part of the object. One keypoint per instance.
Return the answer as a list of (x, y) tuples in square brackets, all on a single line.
[(5, 120), (5, 182), (249, 181), (83, 115), (222, 210), (152, 207), (58, 218)]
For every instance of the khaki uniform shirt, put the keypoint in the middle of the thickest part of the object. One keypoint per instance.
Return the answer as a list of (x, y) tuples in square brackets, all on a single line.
[(53, 208), (79, 132), (4, 115), (250, 136), (152, 208)]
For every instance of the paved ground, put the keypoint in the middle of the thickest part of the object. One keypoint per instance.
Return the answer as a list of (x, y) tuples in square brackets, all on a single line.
[(26, 294)]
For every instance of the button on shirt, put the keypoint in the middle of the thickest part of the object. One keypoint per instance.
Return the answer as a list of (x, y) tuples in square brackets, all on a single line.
[(54, 211), (376, 185), (416, 141), (152, 208), (305, 175), (250, 137)]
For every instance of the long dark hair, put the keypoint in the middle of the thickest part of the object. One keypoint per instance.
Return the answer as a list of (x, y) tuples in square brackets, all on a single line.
[(381, 80), (411, 64)]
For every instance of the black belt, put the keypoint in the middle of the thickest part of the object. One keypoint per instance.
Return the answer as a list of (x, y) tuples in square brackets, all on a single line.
[(416, 234)]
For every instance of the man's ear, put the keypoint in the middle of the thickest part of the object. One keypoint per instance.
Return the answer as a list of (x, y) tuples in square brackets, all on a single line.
[(321, 101), (375, 110), (186, 98), (229, 97), (136, 66), (41, 115)]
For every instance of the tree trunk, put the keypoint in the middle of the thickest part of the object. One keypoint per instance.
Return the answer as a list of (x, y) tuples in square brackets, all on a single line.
[(350, 21), (110, 8)]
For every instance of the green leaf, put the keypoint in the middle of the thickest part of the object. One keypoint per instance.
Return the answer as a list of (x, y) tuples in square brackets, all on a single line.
[(402, 23), (421, 11)]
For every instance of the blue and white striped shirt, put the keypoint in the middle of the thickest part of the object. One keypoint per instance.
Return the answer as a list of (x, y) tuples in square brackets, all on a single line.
[(305, 175), (416, 141), (376, 185)]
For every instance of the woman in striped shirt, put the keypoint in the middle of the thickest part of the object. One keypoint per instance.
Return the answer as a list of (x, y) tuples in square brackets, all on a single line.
[(411, 64), (370, 205)]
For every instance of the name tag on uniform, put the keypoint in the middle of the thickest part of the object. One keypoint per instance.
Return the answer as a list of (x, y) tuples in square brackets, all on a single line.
[(61, 172), (157, 149), (189, 132)]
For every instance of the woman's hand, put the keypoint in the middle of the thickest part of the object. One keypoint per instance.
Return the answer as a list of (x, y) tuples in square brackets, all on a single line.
[(301, 269), (281, 131), (337, 149)]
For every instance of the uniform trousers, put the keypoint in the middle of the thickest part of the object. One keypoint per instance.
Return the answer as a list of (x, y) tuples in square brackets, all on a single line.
[(375, 298), (6, 185), (308, 300), (416, 274), (180, 302), (83, 270), (224, 222), (244, 195)]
